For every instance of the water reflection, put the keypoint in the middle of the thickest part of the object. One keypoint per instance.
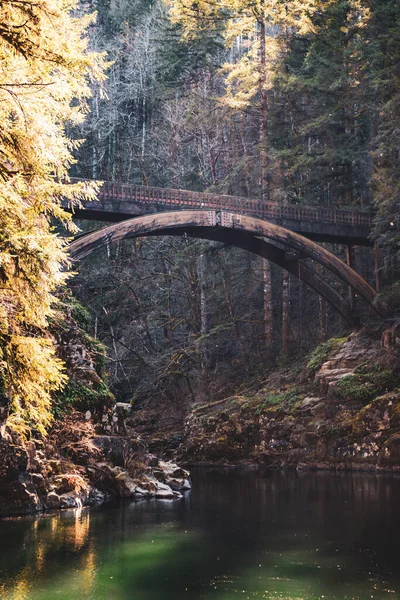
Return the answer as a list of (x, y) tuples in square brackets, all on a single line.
[(257, 535)]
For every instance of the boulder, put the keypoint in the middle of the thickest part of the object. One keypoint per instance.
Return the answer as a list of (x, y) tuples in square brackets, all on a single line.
[(141, 492), (123, 408), (70, 500), (113, 448), (176, 484), (125, 485), (172, 475), (69, 482), (179, 484), (150, 484), (164, 492), (18, 498), (53, 501), (164, 495), (121, 412), (186, 485), (153, 460), (390, 454), (171, 469), (39, 484), (96, 497)]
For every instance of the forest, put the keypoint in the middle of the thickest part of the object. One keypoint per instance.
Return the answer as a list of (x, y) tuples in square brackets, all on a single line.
[(199, 299), (289, 102), (296, 103)]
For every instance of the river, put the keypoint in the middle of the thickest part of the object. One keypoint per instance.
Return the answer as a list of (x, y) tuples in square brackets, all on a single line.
[(237, 534)]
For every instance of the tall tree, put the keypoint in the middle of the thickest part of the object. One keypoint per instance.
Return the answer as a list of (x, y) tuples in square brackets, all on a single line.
[(382, 55), (44, 85), (322, 126)]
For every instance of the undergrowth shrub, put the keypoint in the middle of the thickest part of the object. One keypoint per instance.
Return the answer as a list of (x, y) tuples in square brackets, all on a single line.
[(368, 382), (391, 297)]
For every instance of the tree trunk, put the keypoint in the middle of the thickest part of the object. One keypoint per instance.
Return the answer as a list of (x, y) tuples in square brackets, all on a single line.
[(203, 347), (322, 319), (300, 315), (285, 315), (268, 321), (264, 183), (201, 271), (247, 177)]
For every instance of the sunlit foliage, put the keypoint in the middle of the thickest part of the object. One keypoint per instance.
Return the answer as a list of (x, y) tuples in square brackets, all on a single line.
[(246, 27), (45, 73)]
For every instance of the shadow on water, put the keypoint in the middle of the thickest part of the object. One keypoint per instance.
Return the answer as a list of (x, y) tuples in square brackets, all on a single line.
[(237, 534)]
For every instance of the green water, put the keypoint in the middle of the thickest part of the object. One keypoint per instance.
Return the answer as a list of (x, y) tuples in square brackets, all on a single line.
[(237, 535)]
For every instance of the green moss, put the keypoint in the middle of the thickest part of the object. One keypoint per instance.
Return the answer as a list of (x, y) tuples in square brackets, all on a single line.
[(71, 306), (366, 368), (367, 382), (80, 314), (321, 352), (351, 388), (277, 400), (81, 397), (98, 352), (330, 431), (358, 423)]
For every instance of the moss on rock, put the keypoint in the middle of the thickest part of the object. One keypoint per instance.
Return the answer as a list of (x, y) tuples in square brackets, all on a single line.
[(322, 352), (367, 382)]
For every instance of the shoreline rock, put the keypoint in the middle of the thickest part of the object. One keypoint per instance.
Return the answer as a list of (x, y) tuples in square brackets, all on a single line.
[(78, 468), (340, 413)]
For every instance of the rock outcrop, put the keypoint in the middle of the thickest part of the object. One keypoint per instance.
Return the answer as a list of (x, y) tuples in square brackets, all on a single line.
[(346, 358), (88, 456), (342, 411), (74, 467)]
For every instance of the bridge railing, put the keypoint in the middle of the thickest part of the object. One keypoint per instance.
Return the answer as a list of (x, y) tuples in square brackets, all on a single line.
[(140, 194)]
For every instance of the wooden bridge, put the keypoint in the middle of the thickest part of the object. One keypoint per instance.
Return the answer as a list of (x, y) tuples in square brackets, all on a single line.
[(282, 234), (120, 201)]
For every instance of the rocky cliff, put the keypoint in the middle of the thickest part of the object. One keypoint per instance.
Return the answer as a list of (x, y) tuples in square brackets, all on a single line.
[(75, 466), (89, 454), (341, 410)]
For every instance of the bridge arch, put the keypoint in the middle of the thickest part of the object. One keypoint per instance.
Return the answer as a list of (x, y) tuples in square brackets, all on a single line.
[(246, 232)]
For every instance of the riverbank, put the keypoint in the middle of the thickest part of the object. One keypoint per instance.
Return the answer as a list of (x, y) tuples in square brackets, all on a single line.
[(338, 411), (75, 467)]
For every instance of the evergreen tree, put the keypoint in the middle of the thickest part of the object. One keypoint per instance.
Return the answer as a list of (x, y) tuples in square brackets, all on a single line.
[(253, 31), (322, 125), (44, 84), (382, 57)]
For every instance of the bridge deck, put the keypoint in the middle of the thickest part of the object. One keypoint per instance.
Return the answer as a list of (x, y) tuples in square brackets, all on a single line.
[(120, 201)]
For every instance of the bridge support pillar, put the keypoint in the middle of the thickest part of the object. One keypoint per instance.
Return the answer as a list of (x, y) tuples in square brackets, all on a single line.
[(350, 261), (377, 260)]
